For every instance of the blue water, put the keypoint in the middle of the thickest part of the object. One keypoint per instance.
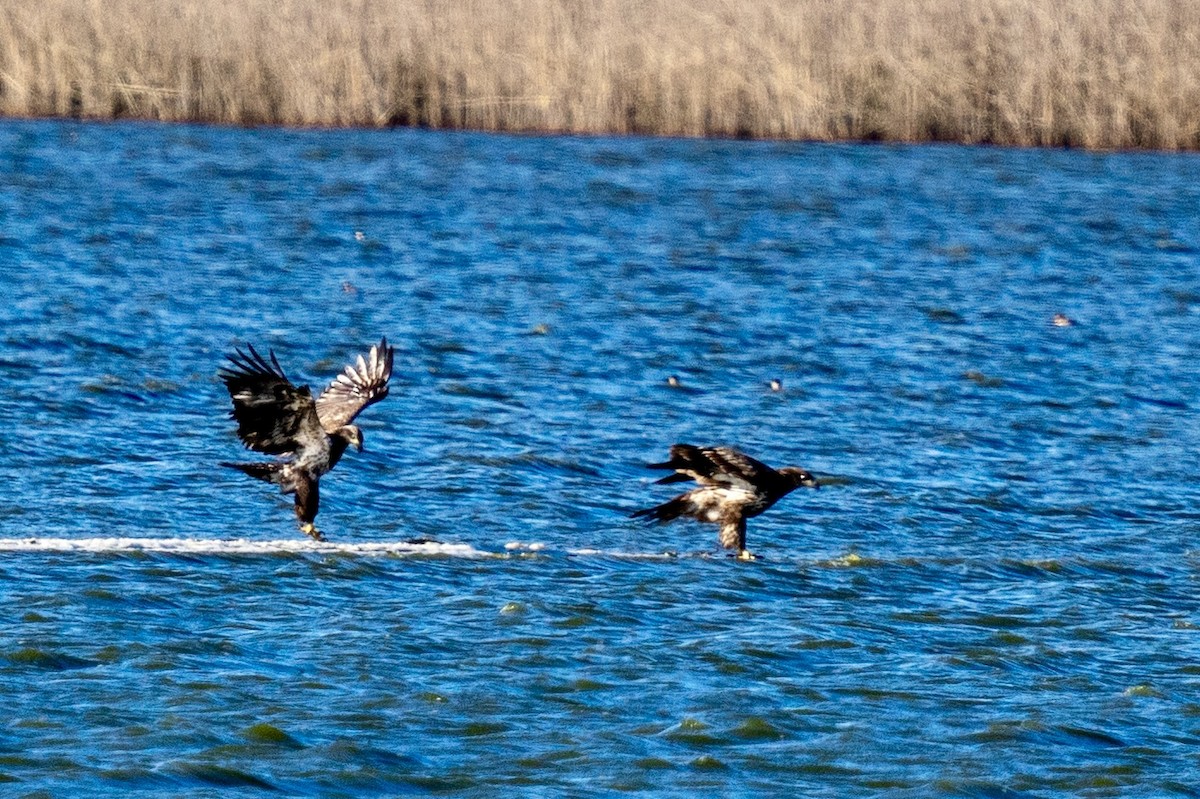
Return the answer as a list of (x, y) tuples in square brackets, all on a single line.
[(995, 593)]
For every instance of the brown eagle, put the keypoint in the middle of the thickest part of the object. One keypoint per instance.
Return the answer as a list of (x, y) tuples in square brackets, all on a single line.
[(310, 436), (733, 488)]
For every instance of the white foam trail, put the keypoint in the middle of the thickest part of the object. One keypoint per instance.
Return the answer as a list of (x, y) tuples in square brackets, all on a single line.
[(536, 547), (612, 553), (238, 546), (298, 545)]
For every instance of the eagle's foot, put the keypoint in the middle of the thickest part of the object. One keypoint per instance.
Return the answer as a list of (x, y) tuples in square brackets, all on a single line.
[(746, 554), (310, 529)]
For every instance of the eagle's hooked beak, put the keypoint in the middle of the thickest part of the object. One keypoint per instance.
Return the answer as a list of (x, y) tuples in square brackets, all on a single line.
[(359, 446)]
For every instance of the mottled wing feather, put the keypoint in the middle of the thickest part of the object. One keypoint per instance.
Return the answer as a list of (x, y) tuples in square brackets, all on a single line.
[(688, 463), (363, 383), (273, 416), (716, 466), (734, 466)]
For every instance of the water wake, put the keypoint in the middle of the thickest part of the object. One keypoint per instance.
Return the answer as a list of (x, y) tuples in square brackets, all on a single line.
[(298, 545), (409, 547), (239, 546)]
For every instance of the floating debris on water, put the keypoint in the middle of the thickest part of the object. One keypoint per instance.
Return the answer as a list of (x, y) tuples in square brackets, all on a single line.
[(849, 559), (1144, 689)]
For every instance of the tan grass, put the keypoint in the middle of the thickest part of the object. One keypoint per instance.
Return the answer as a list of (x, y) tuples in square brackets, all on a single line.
[(1090, 73)]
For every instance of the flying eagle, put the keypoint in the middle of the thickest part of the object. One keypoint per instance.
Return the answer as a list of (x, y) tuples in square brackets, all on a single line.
[(733, 488), (310, 436)]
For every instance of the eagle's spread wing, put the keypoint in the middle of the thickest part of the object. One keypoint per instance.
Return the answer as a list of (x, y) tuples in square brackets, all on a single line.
[(273, 416), (360, 385), (716, 467)]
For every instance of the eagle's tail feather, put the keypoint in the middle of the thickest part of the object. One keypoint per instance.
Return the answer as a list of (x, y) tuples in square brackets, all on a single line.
[(262, 471), (665, 512)]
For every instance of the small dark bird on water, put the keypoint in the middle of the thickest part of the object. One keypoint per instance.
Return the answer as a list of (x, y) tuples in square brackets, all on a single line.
[(310, 436), (733, 488), (1062, 320)]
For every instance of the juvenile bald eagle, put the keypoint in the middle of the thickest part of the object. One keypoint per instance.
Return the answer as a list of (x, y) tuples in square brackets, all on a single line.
[(733, 488), (310, 436)]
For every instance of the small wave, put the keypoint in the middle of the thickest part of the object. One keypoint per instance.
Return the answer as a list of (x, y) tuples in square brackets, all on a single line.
[(239, 546)]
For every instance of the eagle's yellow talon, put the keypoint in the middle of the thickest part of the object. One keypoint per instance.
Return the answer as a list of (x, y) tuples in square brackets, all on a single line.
[(746, 554), (311, 529)]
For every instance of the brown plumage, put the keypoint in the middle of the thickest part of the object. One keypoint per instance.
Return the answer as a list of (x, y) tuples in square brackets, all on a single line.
[(733, 488), (310, 436)]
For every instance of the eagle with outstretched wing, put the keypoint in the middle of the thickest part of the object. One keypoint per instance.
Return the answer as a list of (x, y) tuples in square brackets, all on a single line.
[(309, 436), (733, 488)]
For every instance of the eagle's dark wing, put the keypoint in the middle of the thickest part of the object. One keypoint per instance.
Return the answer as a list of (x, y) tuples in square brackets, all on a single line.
[(360, 385), (273, 416), (717, 467), (732, 465)]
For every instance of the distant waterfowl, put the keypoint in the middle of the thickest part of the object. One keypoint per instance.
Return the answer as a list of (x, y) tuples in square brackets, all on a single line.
[(733, 488), (676, 385), (278, 418), (1062, 320), (776, 384)]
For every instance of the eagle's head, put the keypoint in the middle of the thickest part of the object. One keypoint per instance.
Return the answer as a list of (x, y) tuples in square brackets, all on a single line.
[(353, 435), (799, 477)]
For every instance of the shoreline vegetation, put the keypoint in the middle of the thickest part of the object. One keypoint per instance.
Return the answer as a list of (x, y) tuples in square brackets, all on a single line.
[(1104, 74)]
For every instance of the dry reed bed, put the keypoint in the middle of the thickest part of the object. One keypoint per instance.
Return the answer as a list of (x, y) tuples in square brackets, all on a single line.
[(1090, 73)]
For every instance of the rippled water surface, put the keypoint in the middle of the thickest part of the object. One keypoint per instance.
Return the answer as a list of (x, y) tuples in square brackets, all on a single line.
[(993, 595)]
